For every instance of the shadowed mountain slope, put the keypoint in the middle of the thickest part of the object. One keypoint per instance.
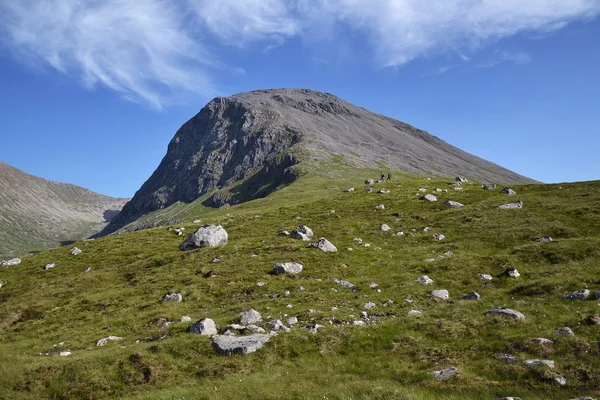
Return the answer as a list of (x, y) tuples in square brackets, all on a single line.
[(259, 136), (36, 213)]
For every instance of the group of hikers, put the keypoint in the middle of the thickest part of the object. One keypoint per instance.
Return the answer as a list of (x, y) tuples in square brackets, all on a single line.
[(382, 176)]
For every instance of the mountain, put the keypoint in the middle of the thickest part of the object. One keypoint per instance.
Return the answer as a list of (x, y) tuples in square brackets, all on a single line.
[(245, 146), (36, 213)]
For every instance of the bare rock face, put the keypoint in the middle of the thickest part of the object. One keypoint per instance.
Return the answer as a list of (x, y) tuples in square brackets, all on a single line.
[(206, 236), (253, 137)]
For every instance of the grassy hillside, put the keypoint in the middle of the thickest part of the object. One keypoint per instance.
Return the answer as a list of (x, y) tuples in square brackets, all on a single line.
[(65, 308)]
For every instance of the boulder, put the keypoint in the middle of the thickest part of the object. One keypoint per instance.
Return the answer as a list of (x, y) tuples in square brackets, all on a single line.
[(370, 305), (369, 190), (423, 190), (471, 296), (186, 318), (206, 236), (414, 313), (510, 273), (292, 320), (315, 328), (485, 277), (542, 340), (593, 320), (287, 268), (12, 261), (439, 294), (250, 317), (539, 363), (565, 331), (278, 326), (205, 327), (107, 339), (302, 232), (445, 373), (429, 197), (49, 266), (255, 329), (505, 312), (578, 295), (384, 227), (516, 204), (439, 236), (65, 353), (369, 182), (75, 251), (346, 284), (228, 345), (380, 207), (544, 239), (489, 187), (453, 204), (509, 192), (324, 245), (424, 280), (384, 191), (284, 233), (349, 190), (461, 179), (175, 297)]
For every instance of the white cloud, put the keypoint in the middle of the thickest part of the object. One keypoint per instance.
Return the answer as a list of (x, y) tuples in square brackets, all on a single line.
[(153, 50)]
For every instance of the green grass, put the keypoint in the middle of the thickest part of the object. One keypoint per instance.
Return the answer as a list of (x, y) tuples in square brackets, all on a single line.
[(392, 358)]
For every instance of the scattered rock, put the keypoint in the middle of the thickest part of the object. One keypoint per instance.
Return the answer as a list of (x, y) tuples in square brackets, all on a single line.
[(445, 373), (593, 320), (542, 340), (384, 227), (302, 232), (373, 285), (260, 284), (107, 339), (88, 269), (206, 236), (380, 207), (384, 191), (544, 239), (485, 277), (516, 204), (316, 328), (565, 331), (509, 192), (424, 280), (426, 229), (65, 353), (250, 317), (471, 296), (186, 318), (178, 231), (439, 294), (539, 363), (349, 190), (205, 327), (75, 251), (291, 268), (578, 295), (370, 305), (49, 266), (510, 273), (228, 345), (8, 263), (284, 233), (561, 380), (439, 236), (429, 259), (506, 358), (489, 187), (369, 190), (278, 326), (176, 297), (429, 197), (400, 233), (255, 329), (415, 313), (453, 204), (369, 182), (346, 285), (359, 323), (505, 312), (461, 179), (324, 245), (292, 320), (438, 190)]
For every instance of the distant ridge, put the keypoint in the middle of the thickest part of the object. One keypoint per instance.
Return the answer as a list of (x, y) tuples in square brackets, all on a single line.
[(259, 136), (36, 213)]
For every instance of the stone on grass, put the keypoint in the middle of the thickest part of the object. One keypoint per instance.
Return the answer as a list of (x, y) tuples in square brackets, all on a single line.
[(539, 363), (429, 197), (205, 327), (578, 295), (489, 187), (176, 297), (544, 239), (592, 320), (429, 259), (414, 313), (369, 182), (49, 266), (186, 318), (505, 312), (368, 190), (250, 317), (278, 326), (511, 273), (346, 285), (424, 280), (324, 245), (228, 345), (370, 305), (471, 296), (565, 331), (255, 329), (65, 353), (292, 320), (439, 294), (541, 340), (284, 233), (302, 232), (384, 227), (461, 179), (561, 380), (509, 192), (453, 204), (485, 277), (400, 233), (349, 190), (380, 207), (75, 251), (445, 373), (287, 268), (12, 261), (516, 204), (107, 339), (206, 236), (439, 236), (314, 329), (384, 191)]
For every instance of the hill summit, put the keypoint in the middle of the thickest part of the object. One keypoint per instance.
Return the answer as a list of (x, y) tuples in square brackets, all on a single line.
[(260, 137)]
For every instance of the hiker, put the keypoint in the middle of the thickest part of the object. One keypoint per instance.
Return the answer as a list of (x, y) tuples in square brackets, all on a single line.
[(382, 177), (389, 176)]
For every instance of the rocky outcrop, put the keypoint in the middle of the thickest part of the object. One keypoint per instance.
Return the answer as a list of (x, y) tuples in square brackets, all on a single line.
[(245, 146)]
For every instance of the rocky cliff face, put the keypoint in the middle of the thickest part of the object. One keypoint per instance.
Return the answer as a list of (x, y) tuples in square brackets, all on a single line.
[(258, 135), (36, 213)]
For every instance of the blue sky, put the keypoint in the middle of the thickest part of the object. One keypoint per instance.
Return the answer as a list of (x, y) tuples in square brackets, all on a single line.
[(92, 92)]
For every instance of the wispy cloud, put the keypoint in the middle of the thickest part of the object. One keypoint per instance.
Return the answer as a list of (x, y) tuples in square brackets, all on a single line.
[(152, 51), (500, 56)]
